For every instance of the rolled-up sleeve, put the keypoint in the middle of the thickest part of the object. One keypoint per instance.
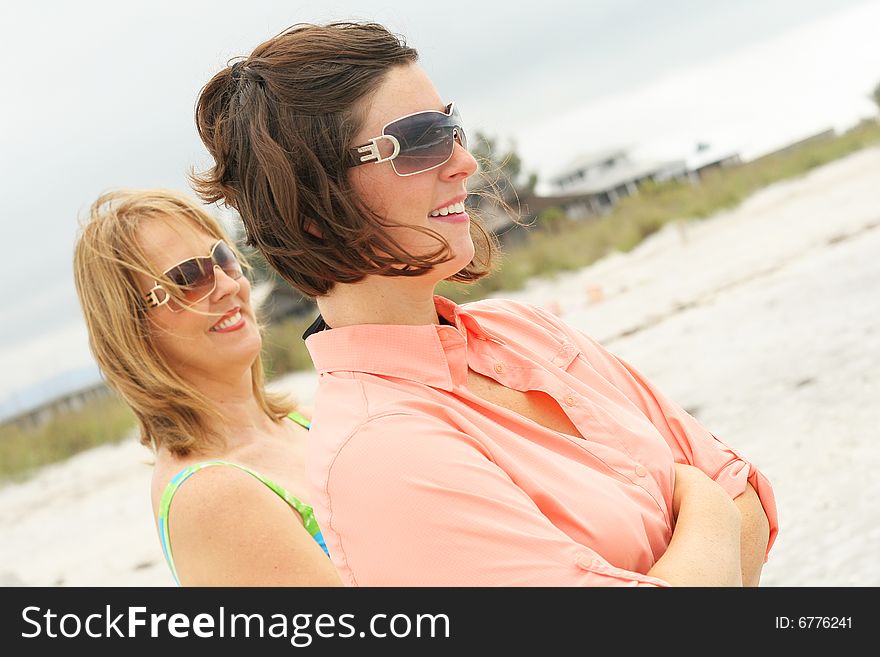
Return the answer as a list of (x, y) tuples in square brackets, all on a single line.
[(693, 444), (690, 441), (412, 501)]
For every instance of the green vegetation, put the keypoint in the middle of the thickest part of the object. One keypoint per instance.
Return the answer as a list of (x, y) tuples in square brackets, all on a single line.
[(555, 244), (558, 244), (501, 170), (283, 347), (23, 450)]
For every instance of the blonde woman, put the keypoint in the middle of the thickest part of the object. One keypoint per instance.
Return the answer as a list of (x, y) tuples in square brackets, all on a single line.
[(173, 330)]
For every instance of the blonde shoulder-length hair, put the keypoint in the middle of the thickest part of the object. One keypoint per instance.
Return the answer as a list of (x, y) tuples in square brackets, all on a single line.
[(170, 411)]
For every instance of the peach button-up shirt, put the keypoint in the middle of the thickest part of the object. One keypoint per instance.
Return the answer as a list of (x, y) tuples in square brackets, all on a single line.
[(416, 481)]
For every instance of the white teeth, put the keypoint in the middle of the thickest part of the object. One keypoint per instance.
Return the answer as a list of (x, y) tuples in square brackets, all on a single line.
[(455, 208), (229, 321)]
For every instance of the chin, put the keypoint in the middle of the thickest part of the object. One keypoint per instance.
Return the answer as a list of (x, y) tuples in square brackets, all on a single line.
[(463, 257), (248, 347), (450, 269)]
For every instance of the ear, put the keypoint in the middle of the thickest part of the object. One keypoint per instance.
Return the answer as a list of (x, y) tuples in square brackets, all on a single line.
[(312, 229)]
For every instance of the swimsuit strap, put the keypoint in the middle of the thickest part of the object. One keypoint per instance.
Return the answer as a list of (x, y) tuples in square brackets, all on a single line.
[(304, 510), (300, 419)]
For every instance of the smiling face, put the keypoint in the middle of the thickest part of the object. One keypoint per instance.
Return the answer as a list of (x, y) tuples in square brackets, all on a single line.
[(218, 338), (423, 198)]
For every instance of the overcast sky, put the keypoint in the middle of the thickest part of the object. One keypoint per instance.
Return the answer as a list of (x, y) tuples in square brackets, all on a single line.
[(97, 95)]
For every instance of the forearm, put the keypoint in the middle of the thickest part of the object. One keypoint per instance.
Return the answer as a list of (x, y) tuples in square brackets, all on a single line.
[(705, 547), (754, 535)]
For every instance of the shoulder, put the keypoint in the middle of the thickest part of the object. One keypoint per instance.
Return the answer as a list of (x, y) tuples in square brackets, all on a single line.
[(513, 314), (523, 320), (498, 305), (392, 450), (228, 527), (215, 496), (526, 328), (379, 411), (396, 442), (353, 403), (412, 423)]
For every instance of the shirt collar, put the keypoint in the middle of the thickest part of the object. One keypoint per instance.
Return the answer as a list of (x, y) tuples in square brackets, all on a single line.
[(426, 353), (316, 327)]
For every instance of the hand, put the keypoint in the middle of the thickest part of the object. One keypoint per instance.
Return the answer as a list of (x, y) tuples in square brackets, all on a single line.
[(705, 545), (693, 484)]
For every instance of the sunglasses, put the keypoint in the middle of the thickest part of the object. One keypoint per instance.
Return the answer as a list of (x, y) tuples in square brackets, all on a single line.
[(195, 278), (420, 142)]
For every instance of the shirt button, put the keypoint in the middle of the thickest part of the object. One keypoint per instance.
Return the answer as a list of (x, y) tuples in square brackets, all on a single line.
[(641, 471), (499, 367), (584, 561), (570, 400)]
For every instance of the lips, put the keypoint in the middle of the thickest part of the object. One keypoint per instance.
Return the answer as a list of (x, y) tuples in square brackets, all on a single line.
[(229, 322), (445, 209), (455, 208), (459, 218)]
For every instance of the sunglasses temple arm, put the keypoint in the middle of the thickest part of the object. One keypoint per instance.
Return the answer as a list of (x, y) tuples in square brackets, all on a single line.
[(372, 150), (151, 298)]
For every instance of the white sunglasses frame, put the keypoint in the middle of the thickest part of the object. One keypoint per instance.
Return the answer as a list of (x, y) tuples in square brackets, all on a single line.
[(370, 150), (152, 299)]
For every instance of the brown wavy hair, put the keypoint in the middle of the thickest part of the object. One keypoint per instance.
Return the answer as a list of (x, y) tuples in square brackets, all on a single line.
[(107, 258), (279, 124)]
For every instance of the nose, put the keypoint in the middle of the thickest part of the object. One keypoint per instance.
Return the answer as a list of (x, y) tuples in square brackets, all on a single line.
[(224, 284), (461, 165)]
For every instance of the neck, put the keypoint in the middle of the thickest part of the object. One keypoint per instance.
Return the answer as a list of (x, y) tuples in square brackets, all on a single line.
[(242, 416), (380, 300)]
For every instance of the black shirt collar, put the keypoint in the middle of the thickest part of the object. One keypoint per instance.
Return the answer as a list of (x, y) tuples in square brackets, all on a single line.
[(320, 325), (317, 326)]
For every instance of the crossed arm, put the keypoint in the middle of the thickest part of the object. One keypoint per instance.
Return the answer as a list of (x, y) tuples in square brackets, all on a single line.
[(754, 535), (718, 541), (691, 443)]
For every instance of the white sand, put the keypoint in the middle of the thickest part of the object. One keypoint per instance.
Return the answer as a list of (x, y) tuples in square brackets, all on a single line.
[(764, 322)]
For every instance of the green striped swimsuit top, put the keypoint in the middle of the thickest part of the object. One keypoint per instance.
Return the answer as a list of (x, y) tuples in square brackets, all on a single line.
[(304, 510)]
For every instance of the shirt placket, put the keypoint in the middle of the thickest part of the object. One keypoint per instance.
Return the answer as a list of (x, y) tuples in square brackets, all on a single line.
[(513, 371)]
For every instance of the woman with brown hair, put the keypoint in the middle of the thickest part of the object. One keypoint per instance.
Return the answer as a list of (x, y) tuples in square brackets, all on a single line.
[(480, 444), (172, 328)]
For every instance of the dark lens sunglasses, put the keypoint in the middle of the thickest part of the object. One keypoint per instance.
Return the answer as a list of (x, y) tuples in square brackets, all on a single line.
[(420, 142), (194, 278)]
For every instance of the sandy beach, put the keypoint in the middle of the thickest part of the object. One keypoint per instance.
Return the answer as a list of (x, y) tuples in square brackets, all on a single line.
[(763, 322)]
